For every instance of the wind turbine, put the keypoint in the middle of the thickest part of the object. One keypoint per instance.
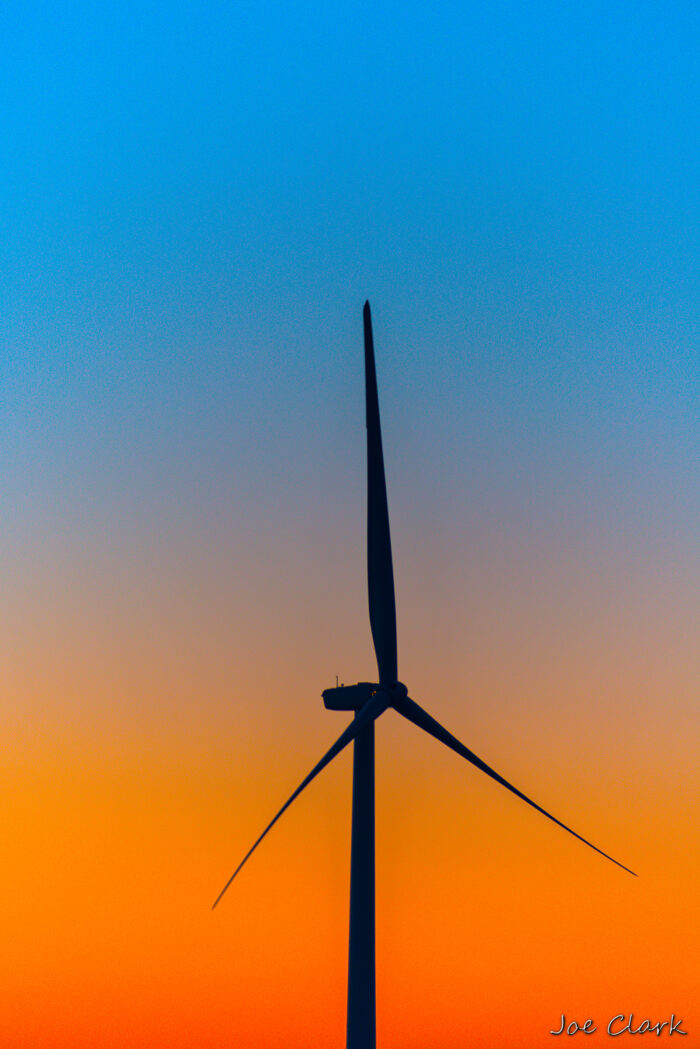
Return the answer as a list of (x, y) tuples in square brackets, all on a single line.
[(368, 701)]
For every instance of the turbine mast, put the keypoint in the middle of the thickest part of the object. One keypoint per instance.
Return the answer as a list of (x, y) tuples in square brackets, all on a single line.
[(362, 994)]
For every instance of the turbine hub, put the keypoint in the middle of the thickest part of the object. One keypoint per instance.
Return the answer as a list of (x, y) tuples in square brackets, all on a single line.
[(398, 692)]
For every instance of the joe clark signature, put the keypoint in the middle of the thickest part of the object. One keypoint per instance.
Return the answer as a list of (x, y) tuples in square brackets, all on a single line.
[(621, 1024)]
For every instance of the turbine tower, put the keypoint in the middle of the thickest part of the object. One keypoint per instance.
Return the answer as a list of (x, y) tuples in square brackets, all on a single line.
[(368, 701)]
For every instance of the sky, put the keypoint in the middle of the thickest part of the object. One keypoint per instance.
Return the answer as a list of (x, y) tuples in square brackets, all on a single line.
[(195, 201)]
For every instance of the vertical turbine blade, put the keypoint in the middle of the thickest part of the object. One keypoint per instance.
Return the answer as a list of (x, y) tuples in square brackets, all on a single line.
[(412, 712), (380, 573)]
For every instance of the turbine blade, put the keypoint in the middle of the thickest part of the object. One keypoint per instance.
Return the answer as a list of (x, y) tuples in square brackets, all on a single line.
[(380, 573), (369, 712), (410, 710)]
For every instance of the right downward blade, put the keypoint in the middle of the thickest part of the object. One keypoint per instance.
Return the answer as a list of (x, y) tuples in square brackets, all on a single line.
[(369, 712), (422, 719)]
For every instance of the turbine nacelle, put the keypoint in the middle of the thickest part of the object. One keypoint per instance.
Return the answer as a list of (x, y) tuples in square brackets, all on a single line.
[(348, 697), (354, 697)]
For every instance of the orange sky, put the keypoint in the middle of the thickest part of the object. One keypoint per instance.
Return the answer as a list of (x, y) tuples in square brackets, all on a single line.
[(151, 739)]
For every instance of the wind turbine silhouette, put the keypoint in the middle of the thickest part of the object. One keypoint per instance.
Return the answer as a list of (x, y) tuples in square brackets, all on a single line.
[(368, 701)]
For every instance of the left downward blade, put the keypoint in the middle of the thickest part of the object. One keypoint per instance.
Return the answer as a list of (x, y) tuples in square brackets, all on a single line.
[(422, 719), (368, 713)]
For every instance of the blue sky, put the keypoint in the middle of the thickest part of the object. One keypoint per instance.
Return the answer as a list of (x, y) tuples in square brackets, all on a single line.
[(196, 201)]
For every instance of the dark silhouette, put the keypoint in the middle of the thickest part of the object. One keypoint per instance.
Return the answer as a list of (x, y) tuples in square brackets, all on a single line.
[(368, 701)]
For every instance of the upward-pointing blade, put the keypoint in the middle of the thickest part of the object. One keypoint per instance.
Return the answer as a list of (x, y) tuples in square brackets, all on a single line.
[(369, 712), (422, 719), (380, 573)]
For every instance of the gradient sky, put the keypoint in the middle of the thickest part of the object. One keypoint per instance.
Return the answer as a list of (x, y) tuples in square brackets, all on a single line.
[(195, 200)]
